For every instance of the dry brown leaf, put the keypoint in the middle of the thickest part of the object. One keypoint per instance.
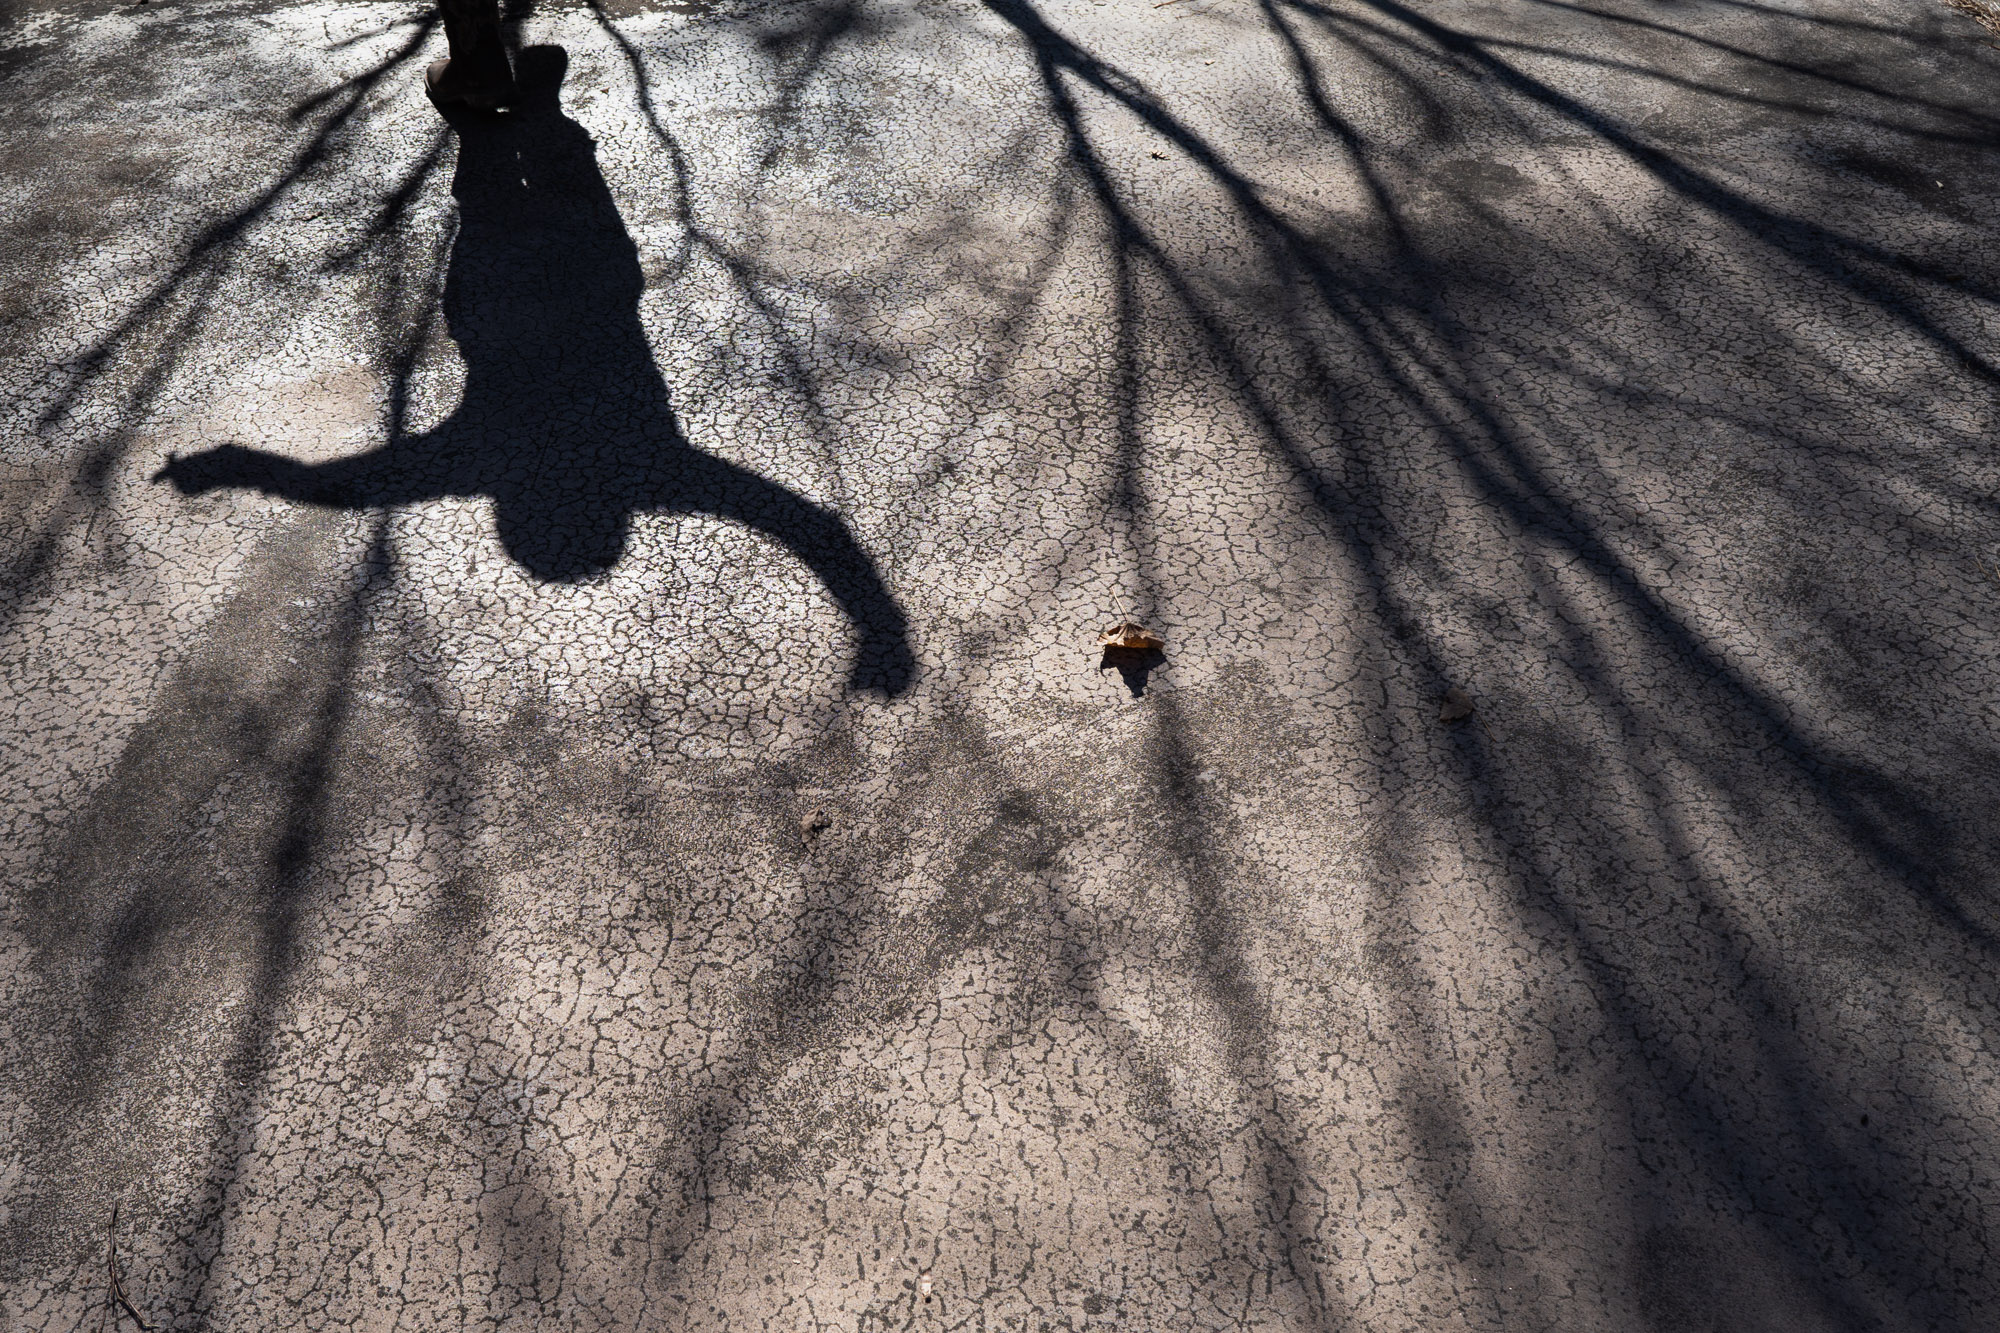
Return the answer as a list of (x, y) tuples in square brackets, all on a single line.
[(1125, 634), (1457, 704)]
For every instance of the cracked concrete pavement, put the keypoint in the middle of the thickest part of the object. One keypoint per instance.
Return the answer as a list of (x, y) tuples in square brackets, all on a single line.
[(448, 565)]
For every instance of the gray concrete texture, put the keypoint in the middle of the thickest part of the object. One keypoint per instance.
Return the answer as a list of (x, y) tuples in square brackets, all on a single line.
[(448, 566)]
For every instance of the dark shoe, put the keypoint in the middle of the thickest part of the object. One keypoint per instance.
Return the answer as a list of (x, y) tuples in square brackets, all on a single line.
[(447, 86)]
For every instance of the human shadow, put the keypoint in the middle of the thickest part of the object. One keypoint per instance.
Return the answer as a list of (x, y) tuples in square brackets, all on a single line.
[(566, 422)]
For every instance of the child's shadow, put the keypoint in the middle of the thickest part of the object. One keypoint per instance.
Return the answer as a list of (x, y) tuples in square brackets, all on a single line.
[(565, 422)]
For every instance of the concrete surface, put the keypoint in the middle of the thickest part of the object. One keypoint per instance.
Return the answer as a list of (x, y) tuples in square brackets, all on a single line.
[(447, 569)]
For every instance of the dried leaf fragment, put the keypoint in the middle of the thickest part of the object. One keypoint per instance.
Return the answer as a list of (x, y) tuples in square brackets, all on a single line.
[(1457, 705), (1125, 634), (813, 823), (1984, 14)]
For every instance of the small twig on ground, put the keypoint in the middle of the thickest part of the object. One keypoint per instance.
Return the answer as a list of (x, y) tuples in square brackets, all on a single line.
[(118, 1300), (1984, 570)]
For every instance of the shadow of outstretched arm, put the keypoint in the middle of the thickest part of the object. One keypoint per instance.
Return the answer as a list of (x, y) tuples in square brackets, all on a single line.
[(883, 662), (364, 481), (570, 522)]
